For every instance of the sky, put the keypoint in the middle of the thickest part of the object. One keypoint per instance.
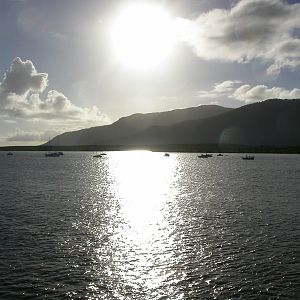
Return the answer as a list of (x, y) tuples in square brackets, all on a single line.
[(71, 64)]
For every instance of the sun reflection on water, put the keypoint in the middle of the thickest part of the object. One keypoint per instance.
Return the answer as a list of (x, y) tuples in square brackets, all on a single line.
[(144, 186)]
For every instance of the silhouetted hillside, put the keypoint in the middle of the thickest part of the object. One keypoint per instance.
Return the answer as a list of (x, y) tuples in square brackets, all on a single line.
[(271, 122), (128, 126)]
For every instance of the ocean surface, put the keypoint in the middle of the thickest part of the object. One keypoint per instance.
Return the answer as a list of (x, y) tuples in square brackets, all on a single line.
[(138, 225)]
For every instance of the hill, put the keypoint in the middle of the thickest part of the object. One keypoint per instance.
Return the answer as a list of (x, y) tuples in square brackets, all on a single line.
[(274, 122), (127, 127), (271, 122)]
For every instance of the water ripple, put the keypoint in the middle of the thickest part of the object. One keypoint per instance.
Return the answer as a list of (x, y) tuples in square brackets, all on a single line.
[(138, 225)]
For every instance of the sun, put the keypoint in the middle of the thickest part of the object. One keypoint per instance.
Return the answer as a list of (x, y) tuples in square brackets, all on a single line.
[(142, 36)]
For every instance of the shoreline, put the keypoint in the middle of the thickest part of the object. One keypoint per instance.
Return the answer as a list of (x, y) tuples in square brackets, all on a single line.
[(188, 148)]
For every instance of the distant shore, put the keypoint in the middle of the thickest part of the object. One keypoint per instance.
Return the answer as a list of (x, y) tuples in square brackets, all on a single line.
[(193, 148)]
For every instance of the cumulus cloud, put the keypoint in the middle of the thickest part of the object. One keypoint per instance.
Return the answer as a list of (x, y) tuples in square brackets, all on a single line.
[(246, 93), (22, 78), (220, 89), (20, 98), (252, 29)]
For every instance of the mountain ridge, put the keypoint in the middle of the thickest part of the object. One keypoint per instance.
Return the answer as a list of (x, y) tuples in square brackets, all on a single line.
[(269, 122), (127, 126)]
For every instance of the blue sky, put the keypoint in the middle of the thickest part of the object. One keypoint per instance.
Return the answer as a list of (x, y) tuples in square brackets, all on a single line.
[(59, 71)]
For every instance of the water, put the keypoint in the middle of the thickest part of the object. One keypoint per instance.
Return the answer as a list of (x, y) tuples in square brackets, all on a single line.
[(138, 225)]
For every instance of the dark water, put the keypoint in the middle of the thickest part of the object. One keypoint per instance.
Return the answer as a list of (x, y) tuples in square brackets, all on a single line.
[(138, 225)]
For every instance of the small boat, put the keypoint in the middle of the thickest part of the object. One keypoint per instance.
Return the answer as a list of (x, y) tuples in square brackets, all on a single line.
[(97, 155), (167, 155), (10, 153), (205, 155), (248, 157), (52, 154), (220, 154)]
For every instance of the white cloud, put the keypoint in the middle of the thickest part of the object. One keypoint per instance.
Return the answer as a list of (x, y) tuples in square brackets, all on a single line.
[(226, 85), (22, 78), (20, 99), (247, 93), (252, 29), (220, 89)]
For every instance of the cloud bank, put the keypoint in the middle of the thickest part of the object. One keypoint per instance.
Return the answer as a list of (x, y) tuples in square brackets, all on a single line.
[(20, 98), (252, 29), (24, 136), (246, 93)]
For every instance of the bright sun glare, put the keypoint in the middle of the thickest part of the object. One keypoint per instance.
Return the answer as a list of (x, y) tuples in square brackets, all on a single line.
[(143, 36)]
